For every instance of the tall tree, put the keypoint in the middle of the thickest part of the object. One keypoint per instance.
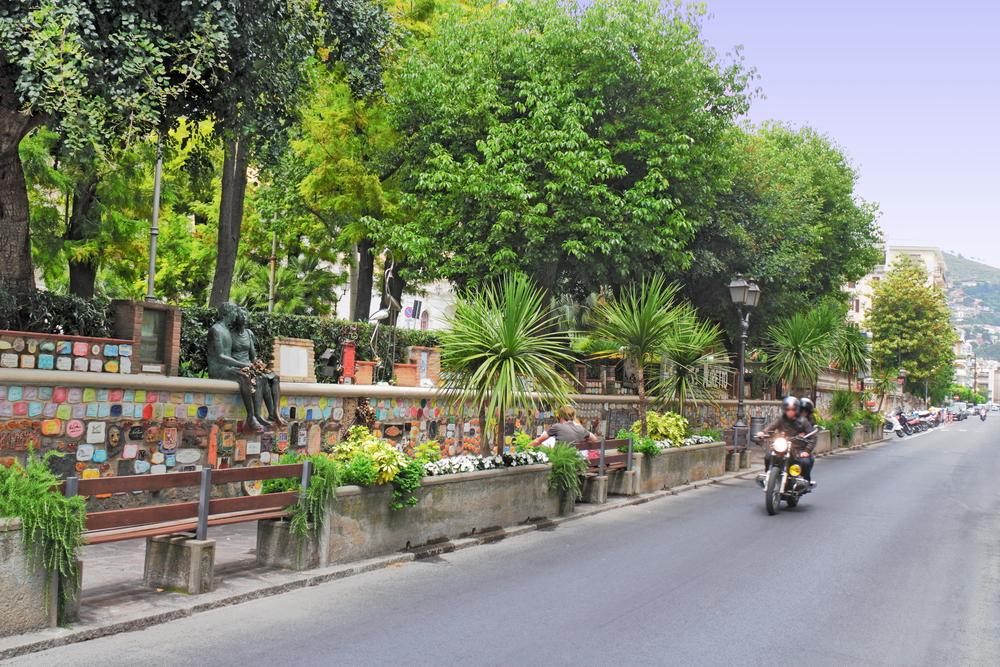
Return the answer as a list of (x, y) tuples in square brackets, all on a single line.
[(579, 143), (95, 71), (791, 219), (267, 77), (911, 328)]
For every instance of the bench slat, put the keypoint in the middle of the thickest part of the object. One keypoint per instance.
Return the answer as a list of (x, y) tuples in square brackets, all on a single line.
[(169, 480), (271, 501), (170, 527), (227, 475), (137, 516)]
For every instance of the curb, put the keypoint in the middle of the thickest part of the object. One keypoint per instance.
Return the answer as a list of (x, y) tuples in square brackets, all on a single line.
[(56, 637)]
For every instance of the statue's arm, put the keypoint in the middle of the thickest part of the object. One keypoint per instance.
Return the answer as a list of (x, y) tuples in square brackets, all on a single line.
[(253, 346), (219, 348)]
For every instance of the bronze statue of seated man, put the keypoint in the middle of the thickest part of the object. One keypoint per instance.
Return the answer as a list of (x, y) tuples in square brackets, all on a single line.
[(232, 355)]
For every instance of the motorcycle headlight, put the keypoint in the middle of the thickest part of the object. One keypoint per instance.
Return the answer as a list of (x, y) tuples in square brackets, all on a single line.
[(794, 470), (780, 445)]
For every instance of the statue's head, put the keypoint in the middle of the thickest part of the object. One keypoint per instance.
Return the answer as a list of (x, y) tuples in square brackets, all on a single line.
[(232, 315)]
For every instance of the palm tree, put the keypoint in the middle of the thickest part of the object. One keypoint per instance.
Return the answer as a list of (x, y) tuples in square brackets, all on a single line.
[(885, 383), (692, 351), (637, 325), (502, 350), (851, 352), (798, 349)]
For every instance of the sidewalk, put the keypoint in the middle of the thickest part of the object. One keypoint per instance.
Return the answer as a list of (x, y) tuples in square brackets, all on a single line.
[(114, 599)]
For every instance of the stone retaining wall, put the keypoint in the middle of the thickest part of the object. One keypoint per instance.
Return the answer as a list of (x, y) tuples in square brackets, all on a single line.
[(26, 603), (680, 465)]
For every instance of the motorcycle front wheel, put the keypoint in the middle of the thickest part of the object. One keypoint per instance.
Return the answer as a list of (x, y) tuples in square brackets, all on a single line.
[(772, 491), (900, 433)]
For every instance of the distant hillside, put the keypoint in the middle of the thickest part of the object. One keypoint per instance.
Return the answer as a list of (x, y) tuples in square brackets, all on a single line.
[(961, 269)]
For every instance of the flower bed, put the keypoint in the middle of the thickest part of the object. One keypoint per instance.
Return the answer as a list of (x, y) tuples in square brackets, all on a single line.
[(468, 463)]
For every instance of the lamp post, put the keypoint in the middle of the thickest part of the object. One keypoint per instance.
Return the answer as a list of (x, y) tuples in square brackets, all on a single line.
[(745, 295)]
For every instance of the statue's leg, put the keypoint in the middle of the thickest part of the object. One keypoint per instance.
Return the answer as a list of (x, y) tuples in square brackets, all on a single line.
[(272, 399), (249, 399)]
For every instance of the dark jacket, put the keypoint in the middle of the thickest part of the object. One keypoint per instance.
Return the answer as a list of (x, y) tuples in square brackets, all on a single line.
[(791, 429)]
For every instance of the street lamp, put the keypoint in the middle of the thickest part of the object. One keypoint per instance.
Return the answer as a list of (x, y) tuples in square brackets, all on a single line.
[(745, 295)]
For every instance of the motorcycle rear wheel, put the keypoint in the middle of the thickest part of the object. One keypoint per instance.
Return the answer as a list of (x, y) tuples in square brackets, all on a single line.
[(772, 491)]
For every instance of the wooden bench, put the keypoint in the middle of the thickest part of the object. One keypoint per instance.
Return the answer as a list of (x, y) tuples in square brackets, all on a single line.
[(166, 519), (609, 459)]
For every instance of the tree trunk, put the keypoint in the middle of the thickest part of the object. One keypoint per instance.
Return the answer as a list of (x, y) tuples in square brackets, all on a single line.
[(17, 274), (234, 184), (366, 278), (83, 222), (641, 375)]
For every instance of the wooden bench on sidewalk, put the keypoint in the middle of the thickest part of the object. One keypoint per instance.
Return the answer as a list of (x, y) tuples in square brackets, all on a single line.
[(175, 558), (609, 459)]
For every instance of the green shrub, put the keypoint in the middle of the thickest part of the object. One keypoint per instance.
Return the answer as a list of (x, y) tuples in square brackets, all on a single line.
[(360, 471), (844, 405), (567, 466), (714, 433), (405, 485), (645, 445), (360, 441), (51, 524), (664, 426), (427, 452), (48, 312), (323, 483), (522, 441)]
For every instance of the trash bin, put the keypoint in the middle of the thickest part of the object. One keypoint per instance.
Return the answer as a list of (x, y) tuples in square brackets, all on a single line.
[(757, 424)]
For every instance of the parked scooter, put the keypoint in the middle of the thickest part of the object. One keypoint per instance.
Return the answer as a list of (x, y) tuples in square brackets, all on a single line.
[(892, 425)]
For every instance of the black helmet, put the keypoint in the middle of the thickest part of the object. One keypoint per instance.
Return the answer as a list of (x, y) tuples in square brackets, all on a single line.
[(807, 406), (790, 402)]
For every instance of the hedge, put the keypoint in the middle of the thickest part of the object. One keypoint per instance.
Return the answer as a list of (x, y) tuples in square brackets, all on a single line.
[(47, 312)]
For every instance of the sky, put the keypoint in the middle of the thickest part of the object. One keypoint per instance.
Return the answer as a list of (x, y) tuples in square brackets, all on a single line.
[(910, 91)]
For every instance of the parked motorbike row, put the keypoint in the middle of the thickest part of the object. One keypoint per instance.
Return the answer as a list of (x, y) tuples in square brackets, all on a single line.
[(907, 423)]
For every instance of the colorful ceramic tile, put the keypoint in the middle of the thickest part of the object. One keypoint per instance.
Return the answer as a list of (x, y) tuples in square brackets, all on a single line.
[(100, 456), (115, 395), (170, 460), (128, 396), (80, 349), (27, 361), (103, 409), (20, 408), (15, 392), (157, 469), (47, 346), (52, 427), (169, 439), (96, 432), (9, 360), (64, 411), (140, 467), (102, 395), (79, 411), (188, 456), (156, 458), (125, 366), (18, 344), (31, 345), (110, 350), (6, 409), (253, 447), (140, 395), (80, 364), (129, 451), (189, 397), (91, 473), (125, 350), (169, 410), (91, 409), (96, 365), (128, 410), (89, 395), (64, 347), (265, 457), (157, 410), (46, 362), (84, 452), (240, 451), (147, 411), (192, 411), (44, 393), (49, 409), (95, 349), (111, 366), (74, 395), (151, 396)]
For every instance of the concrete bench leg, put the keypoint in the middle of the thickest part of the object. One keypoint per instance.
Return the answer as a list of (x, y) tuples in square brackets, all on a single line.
[(732, 461), (595, 489), (278, 547), (744, 459), (179, 563)]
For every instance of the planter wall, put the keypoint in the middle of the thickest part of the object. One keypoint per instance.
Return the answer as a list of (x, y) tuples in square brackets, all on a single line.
[(361, 524), (26, 602), (680, 465), (824, 442)]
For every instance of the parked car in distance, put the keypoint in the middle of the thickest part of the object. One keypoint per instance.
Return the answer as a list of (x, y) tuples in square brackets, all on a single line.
[(958, 410)]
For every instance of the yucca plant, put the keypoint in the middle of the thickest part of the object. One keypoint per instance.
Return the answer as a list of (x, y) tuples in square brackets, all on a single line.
[(637, 325), (502, 350), (798, 349), (851, 352), (884, 383), (692, 350)]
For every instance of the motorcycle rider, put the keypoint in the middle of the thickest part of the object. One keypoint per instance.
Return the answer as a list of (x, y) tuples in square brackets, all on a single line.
[(799, 432), (808, 409)]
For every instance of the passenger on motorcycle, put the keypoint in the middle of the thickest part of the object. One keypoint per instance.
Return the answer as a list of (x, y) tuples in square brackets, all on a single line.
[(798, 430)]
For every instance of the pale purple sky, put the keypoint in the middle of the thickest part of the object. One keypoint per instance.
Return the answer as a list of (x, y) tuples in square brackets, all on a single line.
[(911, 91)]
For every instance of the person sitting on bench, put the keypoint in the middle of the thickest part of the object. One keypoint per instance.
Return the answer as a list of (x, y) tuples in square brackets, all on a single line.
[(567, 430)]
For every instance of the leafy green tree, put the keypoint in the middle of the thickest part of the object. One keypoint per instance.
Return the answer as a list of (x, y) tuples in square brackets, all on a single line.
[(911, 327), (502, 351), (99, 73), (580, 144), (791, 219)]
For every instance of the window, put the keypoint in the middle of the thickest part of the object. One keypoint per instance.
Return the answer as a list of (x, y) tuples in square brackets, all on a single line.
[(425, 319)]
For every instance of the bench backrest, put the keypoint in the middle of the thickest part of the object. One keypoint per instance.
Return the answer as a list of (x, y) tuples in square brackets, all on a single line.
[(200, 509), (609, 453)]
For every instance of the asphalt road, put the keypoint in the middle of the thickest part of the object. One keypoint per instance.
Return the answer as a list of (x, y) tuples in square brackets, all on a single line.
[(894, 560)]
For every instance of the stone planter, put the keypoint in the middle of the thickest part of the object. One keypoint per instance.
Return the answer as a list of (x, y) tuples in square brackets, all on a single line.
[(406, 375), (680, 465), (364, 372), (29, 594), (362, 525), (277, 546), (824, 442)]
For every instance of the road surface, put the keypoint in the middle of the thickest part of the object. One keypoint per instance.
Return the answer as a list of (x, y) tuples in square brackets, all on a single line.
[(894, 560)]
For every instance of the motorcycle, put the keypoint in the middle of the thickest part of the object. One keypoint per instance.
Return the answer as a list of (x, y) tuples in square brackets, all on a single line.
[(982, 416), (783, 479), (904, 423), (892, 425)]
